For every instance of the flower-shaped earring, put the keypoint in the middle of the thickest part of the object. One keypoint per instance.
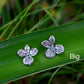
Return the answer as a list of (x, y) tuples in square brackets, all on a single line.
[(52, 50), (27, 54)]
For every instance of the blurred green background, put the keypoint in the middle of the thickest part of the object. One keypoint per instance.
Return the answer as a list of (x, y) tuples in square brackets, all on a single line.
[(43, 14)]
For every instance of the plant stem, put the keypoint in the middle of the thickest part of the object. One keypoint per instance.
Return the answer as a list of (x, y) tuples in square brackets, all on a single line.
[(1, 1), (51, 16), (28, 8), (49, 82), (42, 18), (18, 16)]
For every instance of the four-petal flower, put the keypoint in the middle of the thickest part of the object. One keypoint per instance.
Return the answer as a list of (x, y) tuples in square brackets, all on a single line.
[(27, 54), (52, 50)]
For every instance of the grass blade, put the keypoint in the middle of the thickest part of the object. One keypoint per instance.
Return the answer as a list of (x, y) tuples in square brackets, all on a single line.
[(1, 1), (54, 75), (28, 8), (51, 16), (43, 19)]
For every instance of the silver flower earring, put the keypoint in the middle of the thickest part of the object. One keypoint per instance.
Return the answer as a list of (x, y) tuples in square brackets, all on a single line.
[(52, 50), (27, 54)]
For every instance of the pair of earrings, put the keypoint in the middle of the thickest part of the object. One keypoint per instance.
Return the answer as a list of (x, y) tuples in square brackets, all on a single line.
[(52, 50)]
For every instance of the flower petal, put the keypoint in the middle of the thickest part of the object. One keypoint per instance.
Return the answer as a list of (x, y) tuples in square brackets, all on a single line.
[(33, 51), (50, 53), (28, 60), (46, 44), (27, 48), (52, 39), (59, 49), (21, 53)]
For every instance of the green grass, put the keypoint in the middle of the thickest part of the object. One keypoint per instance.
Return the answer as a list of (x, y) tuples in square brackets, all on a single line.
[(1, 1), (28, 8)]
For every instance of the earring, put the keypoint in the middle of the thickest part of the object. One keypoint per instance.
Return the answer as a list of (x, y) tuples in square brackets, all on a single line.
[(52, 50), (27, 54)]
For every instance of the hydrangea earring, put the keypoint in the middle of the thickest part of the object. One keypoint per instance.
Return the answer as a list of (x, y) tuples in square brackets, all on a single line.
[(52, 50), (27, 54)]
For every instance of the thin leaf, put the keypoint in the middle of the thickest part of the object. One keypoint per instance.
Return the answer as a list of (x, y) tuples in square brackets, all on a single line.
[(19, 16), (28, 8), (51, 16), (1, 1), (49, 82), (43, 19)]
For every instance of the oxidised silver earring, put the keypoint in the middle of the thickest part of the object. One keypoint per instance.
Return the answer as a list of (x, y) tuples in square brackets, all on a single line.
[(27, 54), (52, 50)]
